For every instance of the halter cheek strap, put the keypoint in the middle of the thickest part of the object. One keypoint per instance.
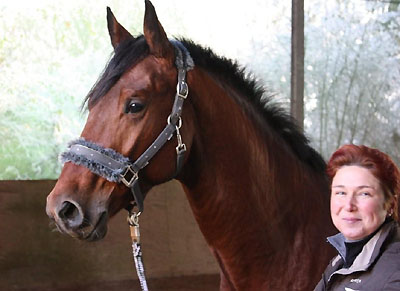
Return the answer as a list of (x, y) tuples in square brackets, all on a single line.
[(115, 167)]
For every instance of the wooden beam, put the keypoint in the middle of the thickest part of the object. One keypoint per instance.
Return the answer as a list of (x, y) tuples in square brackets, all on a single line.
[(297, 63)]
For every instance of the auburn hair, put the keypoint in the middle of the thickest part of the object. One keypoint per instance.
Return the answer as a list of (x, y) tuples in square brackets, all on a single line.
[(378, 163)]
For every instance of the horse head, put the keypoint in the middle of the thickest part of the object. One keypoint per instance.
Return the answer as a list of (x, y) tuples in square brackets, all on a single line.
[(129, 106)]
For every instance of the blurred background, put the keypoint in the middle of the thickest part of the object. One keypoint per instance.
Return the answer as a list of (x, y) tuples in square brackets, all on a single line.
[(52, 52)]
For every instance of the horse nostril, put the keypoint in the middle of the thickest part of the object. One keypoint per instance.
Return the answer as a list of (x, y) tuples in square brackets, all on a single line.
[(70, 214), (68, 210)]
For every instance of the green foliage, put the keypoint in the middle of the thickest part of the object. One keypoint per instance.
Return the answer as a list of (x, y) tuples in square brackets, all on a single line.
[(50, 56)]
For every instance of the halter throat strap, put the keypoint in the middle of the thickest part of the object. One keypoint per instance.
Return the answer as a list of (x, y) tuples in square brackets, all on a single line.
[(115, 167)]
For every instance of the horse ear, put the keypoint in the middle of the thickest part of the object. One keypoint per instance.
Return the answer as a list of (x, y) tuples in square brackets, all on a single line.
[(155, 35), (117, 32)]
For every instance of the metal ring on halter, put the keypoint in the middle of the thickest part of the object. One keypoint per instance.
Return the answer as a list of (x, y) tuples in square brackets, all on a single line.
[(179, 121)]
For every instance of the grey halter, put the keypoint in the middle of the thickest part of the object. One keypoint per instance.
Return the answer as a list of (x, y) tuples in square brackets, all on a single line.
[(117, 168)]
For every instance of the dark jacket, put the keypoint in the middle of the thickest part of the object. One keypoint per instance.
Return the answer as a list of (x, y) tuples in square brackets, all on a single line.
[(376, 267)]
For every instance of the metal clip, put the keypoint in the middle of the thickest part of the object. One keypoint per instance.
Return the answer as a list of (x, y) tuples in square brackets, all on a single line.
[(133, 221), (181, 146)]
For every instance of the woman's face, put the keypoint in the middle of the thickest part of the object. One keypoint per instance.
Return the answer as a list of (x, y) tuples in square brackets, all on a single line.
[(357, 202)]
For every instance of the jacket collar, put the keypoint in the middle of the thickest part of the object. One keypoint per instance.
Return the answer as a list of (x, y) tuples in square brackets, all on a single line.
[(368, 254)]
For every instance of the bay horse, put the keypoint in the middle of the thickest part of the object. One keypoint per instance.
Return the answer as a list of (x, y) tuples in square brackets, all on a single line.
[(256, 187)]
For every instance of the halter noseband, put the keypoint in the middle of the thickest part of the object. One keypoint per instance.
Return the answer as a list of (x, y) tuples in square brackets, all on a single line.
[(115, 167)]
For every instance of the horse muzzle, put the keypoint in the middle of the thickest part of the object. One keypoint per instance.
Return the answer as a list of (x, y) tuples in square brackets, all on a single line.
[(70, 219)]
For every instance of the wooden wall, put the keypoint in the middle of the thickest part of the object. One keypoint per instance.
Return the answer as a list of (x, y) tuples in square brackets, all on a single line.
[(32, 256)]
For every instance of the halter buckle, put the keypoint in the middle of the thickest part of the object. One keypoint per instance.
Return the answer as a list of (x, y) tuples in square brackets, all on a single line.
[(182, 89), (129, 176)]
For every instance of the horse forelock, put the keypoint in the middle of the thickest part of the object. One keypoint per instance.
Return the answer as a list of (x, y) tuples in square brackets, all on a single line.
[(127, 54), (260, 100)]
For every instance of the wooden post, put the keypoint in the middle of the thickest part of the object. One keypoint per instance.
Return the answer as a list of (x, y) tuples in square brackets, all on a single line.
[(297, 63)]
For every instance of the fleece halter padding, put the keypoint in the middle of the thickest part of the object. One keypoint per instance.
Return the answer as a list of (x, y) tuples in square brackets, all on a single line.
[(104, 162), (115, 167)]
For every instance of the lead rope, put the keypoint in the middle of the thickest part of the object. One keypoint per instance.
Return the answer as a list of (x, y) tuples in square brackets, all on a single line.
[(184, 63), (133, 221)]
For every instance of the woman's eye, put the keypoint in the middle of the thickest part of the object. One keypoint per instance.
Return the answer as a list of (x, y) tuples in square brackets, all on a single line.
[(134, 107), (340, 193), (365, 194)]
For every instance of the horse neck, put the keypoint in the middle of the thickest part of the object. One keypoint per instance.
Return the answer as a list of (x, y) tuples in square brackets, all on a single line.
[(245, 186)]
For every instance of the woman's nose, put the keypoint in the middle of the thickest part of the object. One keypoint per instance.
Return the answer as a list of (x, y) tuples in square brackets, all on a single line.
[(350, 203)]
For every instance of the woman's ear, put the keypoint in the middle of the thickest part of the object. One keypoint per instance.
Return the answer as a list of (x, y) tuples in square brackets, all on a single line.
[(390, 206)]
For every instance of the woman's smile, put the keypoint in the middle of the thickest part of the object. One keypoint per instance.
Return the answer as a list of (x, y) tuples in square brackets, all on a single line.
[(357, 202), (351, 220)]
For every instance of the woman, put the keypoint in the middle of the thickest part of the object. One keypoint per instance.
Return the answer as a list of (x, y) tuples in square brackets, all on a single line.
[(364, 190)]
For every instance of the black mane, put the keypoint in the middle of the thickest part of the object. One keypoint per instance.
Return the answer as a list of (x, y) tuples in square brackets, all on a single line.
[(133, 50), (126, 55), (275, 116)]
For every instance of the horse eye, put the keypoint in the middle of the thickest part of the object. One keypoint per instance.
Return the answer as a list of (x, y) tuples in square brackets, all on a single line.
[(134, 107)]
